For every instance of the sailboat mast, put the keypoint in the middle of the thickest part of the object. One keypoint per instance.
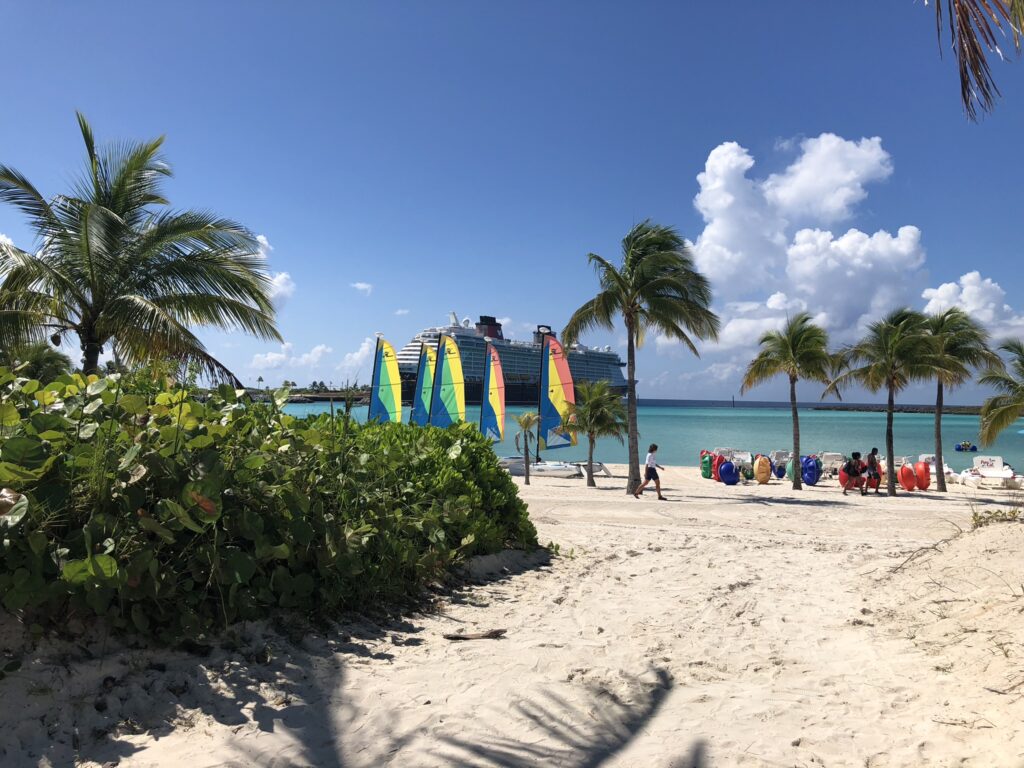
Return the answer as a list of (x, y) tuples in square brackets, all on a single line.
[(540, 388)]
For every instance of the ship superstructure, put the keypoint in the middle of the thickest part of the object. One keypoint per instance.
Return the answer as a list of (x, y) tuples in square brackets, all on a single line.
[(521, 360)]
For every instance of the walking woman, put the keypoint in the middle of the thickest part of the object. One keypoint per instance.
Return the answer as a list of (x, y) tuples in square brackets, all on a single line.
[(651, 473)]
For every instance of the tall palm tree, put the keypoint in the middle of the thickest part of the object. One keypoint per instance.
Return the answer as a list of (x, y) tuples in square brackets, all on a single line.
[(975, 29), (798, 351), (41, 362), (114, 266), (895, 351), (1003, 409), (960, 344), (527, 422), (597, 412), (657, 287)]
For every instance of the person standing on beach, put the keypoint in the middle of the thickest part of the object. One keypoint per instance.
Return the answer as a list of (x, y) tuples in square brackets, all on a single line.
[(853, 469), (874, 473), (651, 473)]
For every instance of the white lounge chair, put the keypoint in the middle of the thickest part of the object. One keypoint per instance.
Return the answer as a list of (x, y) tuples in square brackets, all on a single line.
[(831, 462)]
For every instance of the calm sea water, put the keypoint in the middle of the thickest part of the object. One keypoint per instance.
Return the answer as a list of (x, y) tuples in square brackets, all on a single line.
[(681, 432)]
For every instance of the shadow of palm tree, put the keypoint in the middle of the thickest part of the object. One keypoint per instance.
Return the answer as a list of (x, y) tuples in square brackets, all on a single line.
[(560, 732)]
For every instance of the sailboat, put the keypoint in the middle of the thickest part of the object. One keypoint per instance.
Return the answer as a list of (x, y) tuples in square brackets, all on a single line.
[(386, 386), (556, 394), (420, 414), (492, 405), (448, 396)]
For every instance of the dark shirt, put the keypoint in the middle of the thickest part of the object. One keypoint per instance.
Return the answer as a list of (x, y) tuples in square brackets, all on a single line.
[(853, 468)]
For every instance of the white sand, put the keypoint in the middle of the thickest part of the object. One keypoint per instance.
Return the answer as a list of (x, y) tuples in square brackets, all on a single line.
[(748, 626)]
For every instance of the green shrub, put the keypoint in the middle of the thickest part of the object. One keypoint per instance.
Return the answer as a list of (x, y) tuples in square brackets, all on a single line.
[(175, 517), (989, 516)]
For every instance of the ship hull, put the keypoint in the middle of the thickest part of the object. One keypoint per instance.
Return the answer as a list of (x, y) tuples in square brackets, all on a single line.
[(516, 393)]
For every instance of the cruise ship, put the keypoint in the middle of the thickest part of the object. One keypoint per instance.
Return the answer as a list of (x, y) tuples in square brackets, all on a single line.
[(520, 360)]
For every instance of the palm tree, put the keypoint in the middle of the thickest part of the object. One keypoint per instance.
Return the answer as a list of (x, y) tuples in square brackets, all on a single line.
[(896, 351), (527, 422), (41, 362), (597, 412), (1002, 410), (657, 287), (960, 344), (114, 266), (798, 351), (975, 28)]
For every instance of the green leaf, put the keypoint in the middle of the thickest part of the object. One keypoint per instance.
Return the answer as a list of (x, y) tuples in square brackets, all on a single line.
[(12, 473), (255, 461), (96, 387), (13, 507), (133, 404), (277, 552), (75, 571), (92, 406), (9, 416), (202, 498), (30, 387), (151, 525), (27, 452), (200, 441), (103, 566), (239, 566), (37, 542), (170, 508)]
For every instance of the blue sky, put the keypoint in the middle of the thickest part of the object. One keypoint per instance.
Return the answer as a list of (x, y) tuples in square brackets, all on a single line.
[(467, 156)]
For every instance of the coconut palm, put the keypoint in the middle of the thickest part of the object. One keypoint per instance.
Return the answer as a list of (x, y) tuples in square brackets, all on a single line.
[(114, 266), (975, 28), (656, 288), (527, 422), (597, 412), (798, 351), (960, 344), (895, 351), (41, 362), (1003, 409)]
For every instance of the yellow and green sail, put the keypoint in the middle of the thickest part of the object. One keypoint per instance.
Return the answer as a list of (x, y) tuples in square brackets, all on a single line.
[(448, 398), (424, 386), (556, 393), (492, 402), (386, 386)]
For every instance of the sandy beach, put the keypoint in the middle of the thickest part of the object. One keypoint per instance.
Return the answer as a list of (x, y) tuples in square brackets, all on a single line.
[(748, 626)]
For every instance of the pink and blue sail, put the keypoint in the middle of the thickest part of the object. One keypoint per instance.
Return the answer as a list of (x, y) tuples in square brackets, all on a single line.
[(556, 395)]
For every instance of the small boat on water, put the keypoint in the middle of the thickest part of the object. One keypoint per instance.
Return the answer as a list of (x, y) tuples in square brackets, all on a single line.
[(514, 466), (966, 446)]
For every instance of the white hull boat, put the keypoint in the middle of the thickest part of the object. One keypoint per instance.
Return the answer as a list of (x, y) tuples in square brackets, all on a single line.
[(514, 465)]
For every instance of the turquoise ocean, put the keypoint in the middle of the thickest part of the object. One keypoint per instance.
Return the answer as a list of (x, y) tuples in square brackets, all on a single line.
[(682, 431)]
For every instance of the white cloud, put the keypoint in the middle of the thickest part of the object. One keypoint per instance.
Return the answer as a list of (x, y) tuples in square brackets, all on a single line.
[(287, 358), (982, 298), (718, 373), (505, 321), (282, 287), (828, 178), (5, 240), (364, 288), (401, 312), (782, 303), (745, 331), (354, 363)]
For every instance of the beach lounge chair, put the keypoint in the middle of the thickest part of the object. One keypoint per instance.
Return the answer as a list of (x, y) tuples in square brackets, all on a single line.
[(831, 462), (780, 456), (727, 452)]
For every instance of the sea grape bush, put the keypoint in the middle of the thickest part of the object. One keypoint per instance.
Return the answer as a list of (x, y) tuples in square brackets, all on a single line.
[(174, 517)]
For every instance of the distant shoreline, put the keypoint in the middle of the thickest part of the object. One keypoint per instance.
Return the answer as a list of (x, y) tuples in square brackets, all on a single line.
[(960, 410)]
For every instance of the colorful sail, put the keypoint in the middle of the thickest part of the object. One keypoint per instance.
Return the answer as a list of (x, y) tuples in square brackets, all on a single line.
[(492, 401), (556, 393), (386, 386), (424, 386), (448, 398)]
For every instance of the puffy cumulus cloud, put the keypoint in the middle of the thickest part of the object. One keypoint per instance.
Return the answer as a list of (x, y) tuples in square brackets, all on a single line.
[(740, 332), (364, 288), (782, 303), (282, 287), (855, 278), (828, 178), (401, 312), (744, 241), (286, 358), (354, 363), (5, 240), (982, 298)]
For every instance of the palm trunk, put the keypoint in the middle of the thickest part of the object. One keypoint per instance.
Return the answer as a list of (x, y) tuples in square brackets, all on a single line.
[(526, 457), (940, 475), (90, 357), (890, 476), (634, 433), (797, 484), (590, 462)]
